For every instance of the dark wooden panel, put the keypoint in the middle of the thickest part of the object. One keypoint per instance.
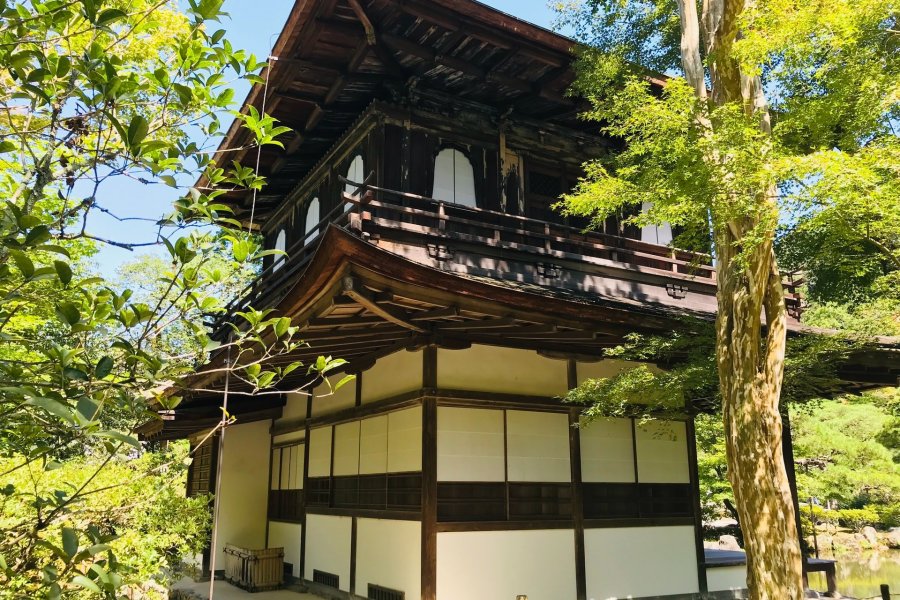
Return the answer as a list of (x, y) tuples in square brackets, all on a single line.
[(637, 500), (533, 501), (286, 505), (318, 491), (471, 501), (391, 157)]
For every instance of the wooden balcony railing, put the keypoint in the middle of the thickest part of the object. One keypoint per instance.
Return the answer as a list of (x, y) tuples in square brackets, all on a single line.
[(383, 214)]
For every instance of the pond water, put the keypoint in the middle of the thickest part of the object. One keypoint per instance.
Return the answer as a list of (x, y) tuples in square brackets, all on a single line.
[(860, 576)]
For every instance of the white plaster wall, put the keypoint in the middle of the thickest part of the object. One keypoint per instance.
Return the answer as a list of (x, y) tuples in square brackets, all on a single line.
[(505, 370), (275, 477), (469, 444), (294, 408), (537, 446), (346, 449), (373, 445), (287, 536), (328, 547), (632, 562), (244, 488), (726, 578), (320, 452), (327, 400), (405, 440), (607, 452), (392, 375), (600, 369), (499, 565), (388, 553), (662, 454)]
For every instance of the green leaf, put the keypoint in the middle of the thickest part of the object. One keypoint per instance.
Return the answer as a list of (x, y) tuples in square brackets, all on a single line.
[(69, 541), (88, 408), (109, 15), (68, 312), (7, 146), (87, 584), (104, 367), (76, 374), (120, 437), (53, 407), (23, 262), (63, 270), (137, 131)]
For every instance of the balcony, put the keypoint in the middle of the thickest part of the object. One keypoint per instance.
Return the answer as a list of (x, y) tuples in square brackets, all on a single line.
[(496, 246)]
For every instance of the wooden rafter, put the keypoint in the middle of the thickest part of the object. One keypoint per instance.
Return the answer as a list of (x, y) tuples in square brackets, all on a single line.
[(355, 291)]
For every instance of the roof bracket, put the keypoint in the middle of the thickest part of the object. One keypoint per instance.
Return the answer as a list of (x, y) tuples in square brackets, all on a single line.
[(353, 289), (371, 38)]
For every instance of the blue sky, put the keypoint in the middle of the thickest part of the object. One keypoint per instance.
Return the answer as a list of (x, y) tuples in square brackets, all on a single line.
[(253, 25)]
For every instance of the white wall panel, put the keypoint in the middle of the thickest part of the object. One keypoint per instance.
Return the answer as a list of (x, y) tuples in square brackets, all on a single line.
[(328, 547), (604, 368), (244, 489), (392, 375), (607, 451), (275, 477), (388, 553), (294, 408), (640, 561), (537, 446), (287, 458), (499, 565), (405, 440), (373, 445), (327, 400), (346, 449), (726, 578), (662, 454), (297, 459), (287, 536), (503, 370), (469, 444), (320, 452)]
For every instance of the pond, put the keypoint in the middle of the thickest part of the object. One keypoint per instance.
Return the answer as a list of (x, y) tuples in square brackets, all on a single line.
[(860, 576)]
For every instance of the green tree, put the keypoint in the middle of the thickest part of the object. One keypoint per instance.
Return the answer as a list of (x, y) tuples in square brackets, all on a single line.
[(92, 91), (773, 103)]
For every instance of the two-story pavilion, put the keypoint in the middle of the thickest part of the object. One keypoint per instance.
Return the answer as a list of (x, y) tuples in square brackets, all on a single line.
[(431, 138)]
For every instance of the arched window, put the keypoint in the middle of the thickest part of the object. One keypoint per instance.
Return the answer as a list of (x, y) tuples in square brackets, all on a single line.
[(280, 244), (454, 178), (355, 173), (312, 219)]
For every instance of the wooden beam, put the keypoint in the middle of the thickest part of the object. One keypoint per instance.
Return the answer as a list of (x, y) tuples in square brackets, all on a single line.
[(363, 297)]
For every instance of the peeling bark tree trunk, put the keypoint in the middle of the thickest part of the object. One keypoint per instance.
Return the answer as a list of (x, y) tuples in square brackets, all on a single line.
[(750, 358)]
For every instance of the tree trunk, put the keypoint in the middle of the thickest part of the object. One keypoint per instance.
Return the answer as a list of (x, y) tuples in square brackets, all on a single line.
[(750, 362), (749, 353)]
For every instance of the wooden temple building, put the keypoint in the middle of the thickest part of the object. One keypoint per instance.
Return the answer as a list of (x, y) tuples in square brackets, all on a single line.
[(414, 201)]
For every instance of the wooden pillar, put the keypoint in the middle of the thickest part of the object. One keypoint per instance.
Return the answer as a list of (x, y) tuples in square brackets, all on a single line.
[(577, 504), (695, 501), (304, 504), (429, 499), (353, 534), (787, 449)]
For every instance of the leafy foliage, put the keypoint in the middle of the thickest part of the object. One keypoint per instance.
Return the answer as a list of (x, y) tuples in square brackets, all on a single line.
[(95, 91)]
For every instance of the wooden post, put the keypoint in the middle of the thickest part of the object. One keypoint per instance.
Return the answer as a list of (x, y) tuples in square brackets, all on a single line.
[(577, 501), (429, 499), (695, 502), (885, 592)]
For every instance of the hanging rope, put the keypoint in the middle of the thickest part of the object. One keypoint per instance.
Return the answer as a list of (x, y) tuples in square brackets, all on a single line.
[(262, 111), (223, 423)]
